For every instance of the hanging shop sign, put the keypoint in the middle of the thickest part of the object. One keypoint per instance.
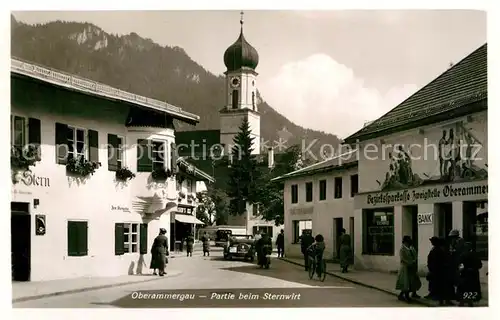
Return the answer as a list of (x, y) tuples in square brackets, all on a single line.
[(40, 226)]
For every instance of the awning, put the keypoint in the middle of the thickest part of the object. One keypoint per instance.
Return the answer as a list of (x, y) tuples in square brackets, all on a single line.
[(186, 218)]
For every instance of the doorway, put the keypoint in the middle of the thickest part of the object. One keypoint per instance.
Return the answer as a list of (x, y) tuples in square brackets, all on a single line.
[(20, 236), (445, 219), (338, 225), (351, 233), (410, 223)]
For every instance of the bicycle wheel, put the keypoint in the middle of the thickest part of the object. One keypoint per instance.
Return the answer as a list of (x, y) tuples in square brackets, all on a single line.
[(323, 271), (312, 269)]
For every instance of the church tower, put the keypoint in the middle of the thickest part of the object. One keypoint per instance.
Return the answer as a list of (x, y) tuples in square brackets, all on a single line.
[(240, 59)]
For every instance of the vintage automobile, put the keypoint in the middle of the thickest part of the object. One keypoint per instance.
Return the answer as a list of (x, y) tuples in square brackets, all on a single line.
[(240, 247)]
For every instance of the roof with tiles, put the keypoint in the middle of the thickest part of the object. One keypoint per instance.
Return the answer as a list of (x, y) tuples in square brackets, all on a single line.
[(462, 85), (343, 161)]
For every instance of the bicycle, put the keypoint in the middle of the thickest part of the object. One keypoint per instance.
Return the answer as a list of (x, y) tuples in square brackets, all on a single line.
[(312, 268)]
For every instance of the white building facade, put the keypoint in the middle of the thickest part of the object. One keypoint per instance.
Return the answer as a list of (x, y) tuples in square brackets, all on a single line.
[(99, 215), (320, 198)]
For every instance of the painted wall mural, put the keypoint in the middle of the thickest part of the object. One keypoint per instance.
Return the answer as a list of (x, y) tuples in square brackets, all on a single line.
[(459, 154)]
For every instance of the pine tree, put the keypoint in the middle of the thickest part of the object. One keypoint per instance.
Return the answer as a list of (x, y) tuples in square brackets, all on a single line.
[(243, 172), (271, 193)]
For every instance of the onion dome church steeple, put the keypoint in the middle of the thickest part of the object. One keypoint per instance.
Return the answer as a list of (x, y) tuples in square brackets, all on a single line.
[(241, 54)]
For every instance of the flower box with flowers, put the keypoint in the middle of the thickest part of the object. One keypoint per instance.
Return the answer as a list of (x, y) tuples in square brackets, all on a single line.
[(124, 174), (81, 167), (161, 174), (23, 158), (182, 195)]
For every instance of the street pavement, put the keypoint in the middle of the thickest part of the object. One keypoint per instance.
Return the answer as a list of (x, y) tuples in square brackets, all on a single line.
[(211, 282)]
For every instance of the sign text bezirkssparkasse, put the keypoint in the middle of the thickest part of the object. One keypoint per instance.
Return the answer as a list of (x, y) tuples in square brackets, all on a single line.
[(424, 194)]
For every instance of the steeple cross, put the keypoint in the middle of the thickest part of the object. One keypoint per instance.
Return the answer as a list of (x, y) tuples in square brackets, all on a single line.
[(241, 20)]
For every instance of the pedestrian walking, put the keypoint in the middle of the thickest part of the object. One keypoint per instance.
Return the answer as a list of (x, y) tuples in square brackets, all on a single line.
[(280, 243), (189, 245), (206, 244), (305, 242), (408, 280), (417, 281), (456, 250), (345, 251), (469, 284), (437, 274), (159, 253)]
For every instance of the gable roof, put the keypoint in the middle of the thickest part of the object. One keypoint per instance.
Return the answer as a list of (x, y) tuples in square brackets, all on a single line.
[(340, 162), (460, 90), (72, 82)]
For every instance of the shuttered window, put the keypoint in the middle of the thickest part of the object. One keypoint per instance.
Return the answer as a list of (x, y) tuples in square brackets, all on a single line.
[(131, 238), (144, 156), (119, 239), (143, 243), (61, 137), (115, 152), (35, 135), (77, 238), (93, 137)]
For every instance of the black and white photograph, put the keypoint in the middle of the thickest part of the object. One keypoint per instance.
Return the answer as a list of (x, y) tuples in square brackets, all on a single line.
[(247, 158)]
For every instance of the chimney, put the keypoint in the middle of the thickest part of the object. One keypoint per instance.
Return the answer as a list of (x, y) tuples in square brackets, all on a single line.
[(270, 157)]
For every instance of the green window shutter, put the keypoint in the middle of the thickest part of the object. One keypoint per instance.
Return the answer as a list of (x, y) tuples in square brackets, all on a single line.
[(173, 157), (119, 239), (143, 233), (93, 145), (82, 238), (35, 135), (144, 156), (61, 143), (72, 238), (113, 156)]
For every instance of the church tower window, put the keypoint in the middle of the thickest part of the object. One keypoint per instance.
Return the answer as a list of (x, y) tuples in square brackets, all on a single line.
[(236, 99), (253, 100)]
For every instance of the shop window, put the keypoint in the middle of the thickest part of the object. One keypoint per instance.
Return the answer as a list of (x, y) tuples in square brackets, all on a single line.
[(263, 229), (295, 193), (298, 227), (354, 185), (475, 229), (77, 238), (309, 191), (338, 187), (378, 230)]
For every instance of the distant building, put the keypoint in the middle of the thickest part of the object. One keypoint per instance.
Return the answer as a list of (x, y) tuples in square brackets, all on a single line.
[(320, 198), (202, 147), (75, 212)]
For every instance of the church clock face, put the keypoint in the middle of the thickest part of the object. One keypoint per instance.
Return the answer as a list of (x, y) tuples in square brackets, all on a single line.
[(235, 82)]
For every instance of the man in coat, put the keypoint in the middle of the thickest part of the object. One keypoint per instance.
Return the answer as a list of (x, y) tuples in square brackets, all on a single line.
[(305, 242), (206, 244), (280, 243), (159, 252), (345, 251), (457, 249)]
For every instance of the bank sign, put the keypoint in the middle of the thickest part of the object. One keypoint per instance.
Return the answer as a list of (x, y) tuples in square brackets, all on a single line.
[(466, 191)]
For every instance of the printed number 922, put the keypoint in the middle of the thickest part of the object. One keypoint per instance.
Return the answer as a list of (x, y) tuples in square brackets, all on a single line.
[(469, 295)]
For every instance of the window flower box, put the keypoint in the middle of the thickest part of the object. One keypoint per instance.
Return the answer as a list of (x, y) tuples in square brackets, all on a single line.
[(182, 195), (124, 174), (81, 167), (23, 158), (161, 174)]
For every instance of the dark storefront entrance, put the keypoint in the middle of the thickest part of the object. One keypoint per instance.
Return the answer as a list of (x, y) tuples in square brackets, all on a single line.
[(20, 224)]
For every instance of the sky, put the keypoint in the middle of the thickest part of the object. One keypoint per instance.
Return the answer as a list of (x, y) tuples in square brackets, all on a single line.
[(324, 70)]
